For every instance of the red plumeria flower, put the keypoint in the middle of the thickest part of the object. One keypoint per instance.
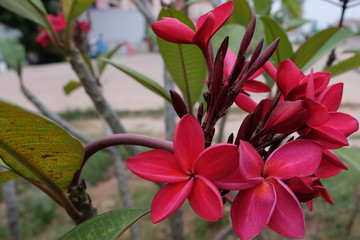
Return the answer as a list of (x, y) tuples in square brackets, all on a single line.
[(190, 172), (58, 22), (270, 201), (172, 30), (85, 27)]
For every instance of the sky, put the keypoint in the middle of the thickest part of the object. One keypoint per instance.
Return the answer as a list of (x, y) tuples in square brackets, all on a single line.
[(326, 13)]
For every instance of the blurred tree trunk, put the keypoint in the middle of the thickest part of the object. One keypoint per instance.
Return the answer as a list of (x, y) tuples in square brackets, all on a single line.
[(12, 213)]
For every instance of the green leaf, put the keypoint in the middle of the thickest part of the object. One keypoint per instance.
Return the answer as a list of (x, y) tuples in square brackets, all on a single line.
[(185, 62), (352, 50), (108, 55), (241, 14), (37, 148), (71, 86), (143, 80), (87, 60), (273, 31), (109, 226), (7, 176), (33, 10), (235, 33), (344, 66), (319, 45), (349, 155), (294, 7), (13, 53), (73, 8), (263, 7), (295, 23)]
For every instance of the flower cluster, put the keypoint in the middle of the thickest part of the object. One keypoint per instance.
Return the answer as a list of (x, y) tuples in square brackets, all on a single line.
[(281, 150), (58, 23)]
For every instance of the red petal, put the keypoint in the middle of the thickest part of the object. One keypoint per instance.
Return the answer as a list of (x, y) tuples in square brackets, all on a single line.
[(287, 117), (189, 142), (238, 181), (252, 210), (328, 137), (204, 33), (318, 113), (256, 86), (331, 96), (270, 69), (157, 166), (251, 160), (288, 76), (330, 165), (245, 103), (310, 92), (297, 158), (221, 14), (229, 62), (288, 217), (169, 199), (342, 122), (172, 30), (217, 162), (206, 200)]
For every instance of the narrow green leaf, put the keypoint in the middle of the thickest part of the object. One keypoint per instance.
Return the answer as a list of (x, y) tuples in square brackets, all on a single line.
[(295, 23), (33, 10), (263, 7), (344, 66), (109, 226), (73, 8), (87, 60), (319, 45), (349, 155), (33, 146), (108, 55), (273, 31), (71, 86), (241, 14), (352, 50), (7, 176), (294, 7), (143, 80), (185, 62), (235, 33), (13, 53)]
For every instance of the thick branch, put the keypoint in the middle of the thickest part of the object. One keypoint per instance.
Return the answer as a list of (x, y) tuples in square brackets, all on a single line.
[(94, 92)]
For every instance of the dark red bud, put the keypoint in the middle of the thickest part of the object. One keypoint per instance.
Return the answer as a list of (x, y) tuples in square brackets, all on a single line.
[(230, 138), (247, 37), (178, 103), (200, 112)]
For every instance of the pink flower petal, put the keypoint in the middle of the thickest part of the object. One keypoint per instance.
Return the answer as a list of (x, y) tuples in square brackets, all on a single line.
[(318, 113), (205, 200), (330, 165), (189, 142), (229, 62), (342, 122), (287, 117), (252, 210), (331, 96), (169, 199), (245, 103), (328, 137), (157, 166), (204, 33), (288, 76), (270, 69), (297, 158), (288, 217), (256, 86), (172, 30), (238, 181), (251, 160), (217, 161)]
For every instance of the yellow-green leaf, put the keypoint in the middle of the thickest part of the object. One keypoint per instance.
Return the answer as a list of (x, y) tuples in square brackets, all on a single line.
[(7, 176), (73, 8), (344, 66), (33, 10), (71, 86), (241, 14), (33, 146), (109, 226)]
